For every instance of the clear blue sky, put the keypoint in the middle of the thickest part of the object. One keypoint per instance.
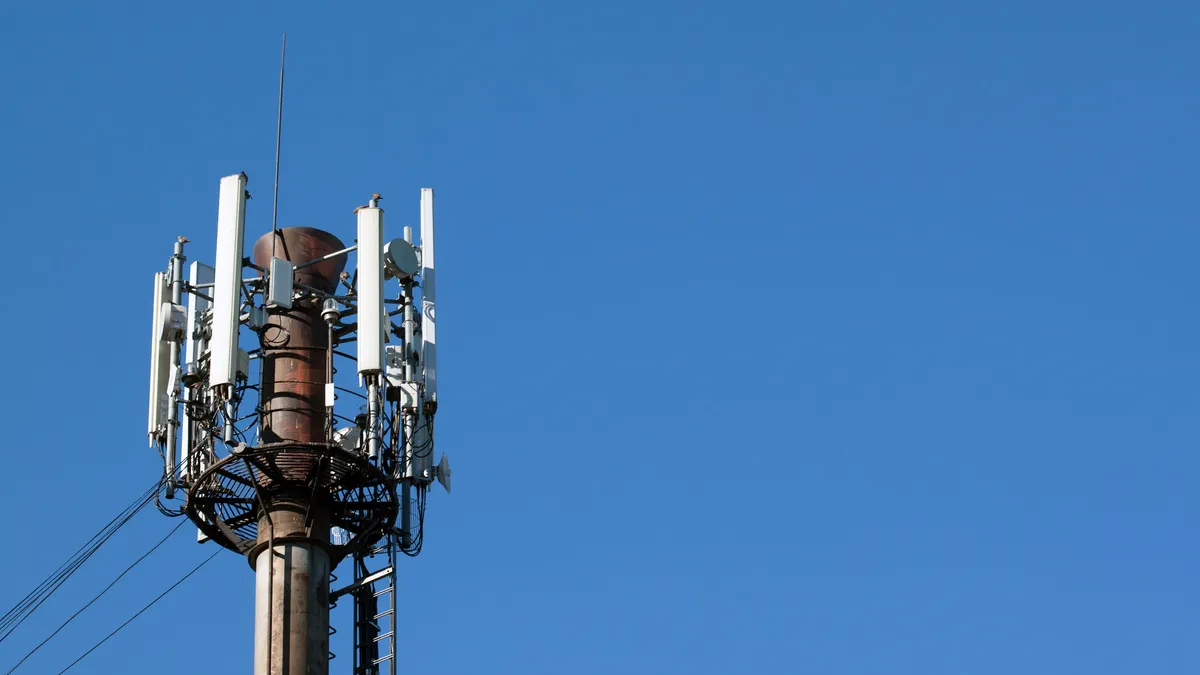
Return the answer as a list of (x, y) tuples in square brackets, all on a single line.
[(856, 338)]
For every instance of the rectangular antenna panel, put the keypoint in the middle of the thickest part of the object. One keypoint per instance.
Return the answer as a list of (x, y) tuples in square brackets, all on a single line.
[(393, 356), (372, 315), (160, 363), (428, 298), (227, 277), (243, 364), (279, 288), (172, 323), (198, 274)]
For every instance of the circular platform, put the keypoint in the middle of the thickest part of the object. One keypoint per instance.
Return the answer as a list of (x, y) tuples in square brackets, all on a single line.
[(225, 501)]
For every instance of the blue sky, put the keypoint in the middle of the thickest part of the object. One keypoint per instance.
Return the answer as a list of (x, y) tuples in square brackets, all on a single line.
[(851, 338)]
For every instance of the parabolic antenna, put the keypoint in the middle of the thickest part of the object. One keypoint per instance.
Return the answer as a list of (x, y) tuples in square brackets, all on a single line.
[(400, 258), (443, 472)]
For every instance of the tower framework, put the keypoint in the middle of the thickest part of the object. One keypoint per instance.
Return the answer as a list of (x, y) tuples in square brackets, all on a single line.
[(302, 486)]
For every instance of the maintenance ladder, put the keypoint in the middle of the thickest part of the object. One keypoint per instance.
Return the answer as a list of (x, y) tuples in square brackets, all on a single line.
[(374, 630)]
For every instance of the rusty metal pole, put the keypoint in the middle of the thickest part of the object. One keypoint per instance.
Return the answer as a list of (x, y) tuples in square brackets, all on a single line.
[(291, 557)]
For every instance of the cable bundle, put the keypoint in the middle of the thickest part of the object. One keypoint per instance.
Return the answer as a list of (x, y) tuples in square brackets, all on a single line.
[(14, 617)]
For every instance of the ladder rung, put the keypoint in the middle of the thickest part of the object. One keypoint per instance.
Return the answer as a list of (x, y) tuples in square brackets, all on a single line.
[(384, 591), (384, 636), (381, 660), (381, 615), (365, 581)]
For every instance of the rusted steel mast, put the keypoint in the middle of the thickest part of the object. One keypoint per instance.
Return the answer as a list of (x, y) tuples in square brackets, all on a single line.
[(292, 555)]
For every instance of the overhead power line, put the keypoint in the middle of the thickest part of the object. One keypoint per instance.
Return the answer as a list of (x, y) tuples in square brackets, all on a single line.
[(14, 617), (96, 597), (140, 612)]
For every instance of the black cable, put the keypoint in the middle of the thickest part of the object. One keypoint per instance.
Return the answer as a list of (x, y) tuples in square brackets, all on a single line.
[(49, 579), (418, 541), (164, 510), (18, 614), (97, 596), (140, 612), (246, 429), (425, 447), (52, 575)]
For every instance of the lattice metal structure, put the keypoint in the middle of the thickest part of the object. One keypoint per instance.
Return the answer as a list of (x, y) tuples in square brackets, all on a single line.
[(268, 450), (227, 499)]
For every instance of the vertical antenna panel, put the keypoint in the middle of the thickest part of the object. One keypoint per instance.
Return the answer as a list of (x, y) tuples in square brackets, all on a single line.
[(160, 365), (371, 313), (227, 277), (280, 284), (428, 298), (198, 274)]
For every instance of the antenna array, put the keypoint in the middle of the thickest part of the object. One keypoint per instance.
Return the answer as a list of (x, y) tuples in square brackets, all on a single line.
[(252, 423), (200, 355)]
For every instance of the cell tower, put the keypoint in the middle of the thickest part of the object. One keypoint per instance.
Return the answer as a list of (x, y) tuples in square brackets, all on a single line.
[(273, 458)]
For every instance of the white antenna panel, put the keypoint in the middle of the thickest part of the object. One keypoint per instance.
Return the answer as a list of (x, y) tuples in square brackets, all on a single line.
[(160, 364), (281, 283), (372, 314), (428, 298), (173, 323), (227, 279), (198, 274)]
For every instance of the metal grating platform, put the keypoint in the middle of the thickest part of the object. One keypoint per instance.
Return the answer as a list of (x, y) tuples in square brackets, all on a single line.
[(224, 501)]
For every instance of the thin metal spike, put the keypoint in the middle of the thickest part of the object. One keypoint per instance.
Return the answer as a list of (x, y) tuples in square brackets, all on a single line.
[(278, 142)]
